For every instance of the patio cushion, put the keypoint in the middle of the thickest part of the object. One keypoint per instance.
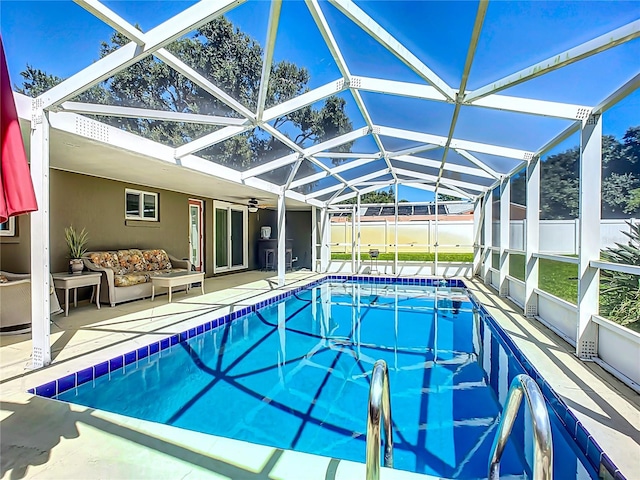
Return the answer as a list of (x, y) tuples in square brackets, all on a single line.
[(156, 259), (130, 279), (105, 260), (131, 261)]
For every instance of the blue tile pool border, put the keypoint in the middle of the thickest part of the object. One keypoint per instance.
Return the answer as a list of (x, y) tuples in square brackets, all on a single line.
[(585, 442), (599, 460)]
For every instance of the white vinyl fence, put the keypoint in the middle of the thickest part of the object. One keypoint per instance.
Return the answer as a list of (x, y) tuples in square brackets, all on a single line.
[(556, 236)]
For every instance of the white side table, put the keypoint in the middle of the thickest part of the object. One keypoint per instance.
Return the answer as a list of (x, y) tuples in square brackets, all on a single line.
[(67, 281)]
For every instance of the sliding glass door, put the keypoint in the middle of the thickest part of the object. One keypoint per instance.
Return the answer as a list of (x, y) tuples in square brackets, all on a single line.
[(230, 246)]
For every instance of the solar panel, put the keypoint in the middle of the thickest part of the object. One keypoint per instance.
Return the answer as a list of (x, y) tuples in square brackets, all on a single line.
[(372, 212), (386, 211)]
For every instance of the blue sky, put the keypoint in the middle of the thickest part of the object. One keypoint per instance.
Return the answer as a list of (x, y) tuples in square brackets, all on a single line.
[(59, 37)]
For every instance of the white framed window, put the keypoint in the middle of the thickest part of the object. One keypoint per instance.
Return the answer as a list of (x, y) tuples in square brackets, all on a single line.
[(139, 205), (8, 228)]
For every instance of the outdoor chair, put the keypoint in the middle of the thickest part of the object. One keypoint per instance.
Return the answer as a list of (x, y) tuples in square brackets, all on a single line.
[(15, 302)]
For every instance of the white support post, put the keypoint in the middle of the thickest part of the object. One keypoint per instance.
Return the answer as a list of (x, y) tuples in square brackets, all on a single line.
[(325, 235), (435, 245), (314, 239), (40, 268), (395, 229), (488, 237), (359, 244), (282, 235), (505, 221), (532, 237), (353, 239), (589, 208), (477, 228)]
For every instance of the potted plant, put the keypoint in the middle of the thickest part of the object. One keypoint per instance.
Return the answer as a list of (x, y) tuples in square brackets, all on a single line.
[(76, 242)]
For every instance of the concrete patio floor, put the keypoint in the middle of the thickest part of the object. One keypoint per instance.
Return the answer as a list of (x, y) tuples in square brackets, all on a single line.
[(43, 438)]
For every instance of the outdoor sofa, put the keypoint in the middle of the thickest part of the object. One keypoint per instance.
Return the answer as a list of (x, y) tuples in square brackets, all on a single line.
[(126, 274), (15, 302)]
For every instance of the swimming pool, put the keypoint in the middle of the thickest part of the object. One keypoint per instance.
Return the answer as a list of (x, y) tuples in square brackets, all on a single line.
[(294, 374)]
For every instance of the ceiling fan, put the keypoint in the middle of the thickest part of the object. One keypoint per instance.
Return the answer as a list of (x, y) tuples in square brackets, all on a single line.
[(253, 205)]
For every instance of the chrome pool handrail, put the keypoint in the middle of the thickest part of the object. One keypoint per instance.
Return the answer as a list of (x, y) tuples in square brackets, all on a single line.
[(379, 405), (523, 385)]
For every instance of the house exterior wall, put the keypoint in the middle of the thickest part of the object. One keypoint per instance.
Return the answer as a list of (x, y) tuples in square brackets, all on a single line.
[(98, 205)]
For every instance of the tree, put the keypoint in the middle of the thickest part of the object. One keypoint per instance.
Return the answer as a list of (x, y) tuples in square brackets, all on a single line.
[(233, 62), (559, 180), (374, 197), (447, 198)]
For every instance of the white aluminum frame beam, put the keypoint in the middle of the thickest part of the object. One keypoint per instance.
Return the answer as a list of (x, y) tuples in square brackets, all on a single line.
[(477, 162), (624, 90), (190, 73), (413, 150), (432, 188), (475, 35), (272, 30), (434, 178), (156, 38), (599, 44), (452, 167), (505, 223), (349, 195), (496, 102), (282, 215), (455, 143), (208, 140), (308, 179), (108, 16), (487, 253), (130, 31), (308, 98), (532, 238), (478, 217), (331, 171), (40, 241), (296, 148), (378, 33), (147, 113), (620, 93), (369, 156), (351, 183), (460, 193), (533, 107), (590, 195), (272, 165), (393, 87)]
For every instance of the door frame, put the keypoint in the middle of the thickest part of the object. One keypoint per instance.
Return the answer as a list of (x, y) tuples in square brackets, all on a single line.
[(217, 205), (194, 202)]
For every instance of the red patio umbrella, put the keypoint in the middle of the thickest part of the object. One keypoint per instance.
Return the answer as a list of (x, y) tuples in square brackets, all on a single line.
[(16, 189)]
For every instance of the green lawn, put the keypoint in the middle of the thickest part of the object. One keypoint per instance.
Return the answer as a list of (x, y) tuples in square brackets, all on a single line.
[(557, 278), (411, 257)]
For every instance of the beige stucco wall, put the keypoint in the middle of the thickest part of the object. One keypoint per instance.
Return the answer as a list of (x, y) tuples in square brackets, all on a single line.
[(98, 205)]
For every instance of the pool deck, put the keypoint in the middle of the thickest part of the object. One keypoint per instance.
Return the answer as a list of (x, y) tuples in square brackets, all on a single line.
[(42, 438)]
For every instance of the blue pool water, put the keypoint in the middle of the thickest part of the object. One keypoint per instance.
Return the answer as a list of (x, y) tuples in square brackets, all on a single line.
[(295, 375)]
